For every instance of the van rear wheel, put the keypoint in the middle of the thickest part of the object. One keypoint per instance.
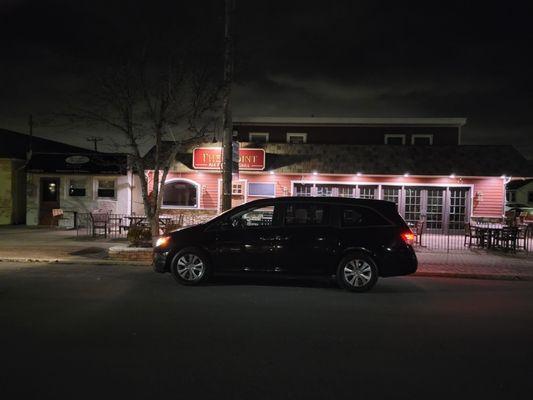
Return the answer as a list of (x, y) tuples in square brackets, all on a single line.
[(357, 272)]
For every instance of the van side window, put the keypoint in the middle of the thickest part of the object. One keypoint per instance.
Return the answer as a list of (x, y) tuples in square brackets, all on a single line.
[(306, 214), (255, 217), (361, 216)]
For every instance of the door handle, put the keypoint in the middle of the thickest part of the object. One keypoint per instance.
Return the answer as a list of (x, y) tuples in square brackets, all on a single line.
[(276, 238), (267, 238), (282, 238)]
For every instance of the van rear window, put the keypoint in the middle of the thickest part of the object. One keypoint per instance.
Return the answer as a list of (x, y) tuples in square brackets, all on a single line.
[(361, 216)]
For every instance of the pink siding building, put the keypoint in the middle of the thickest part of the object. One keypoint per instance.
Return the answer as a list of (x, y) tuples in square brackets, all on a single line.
[(418, 163)]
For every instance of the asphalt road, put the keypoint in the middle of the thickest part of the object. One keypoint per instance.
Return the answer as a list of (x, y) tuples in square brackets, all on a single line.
[(70, 331)]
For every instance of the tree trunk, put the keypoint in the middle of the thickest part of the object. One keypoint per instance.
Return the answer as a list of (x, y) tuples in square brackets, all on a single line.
[(227, 140)]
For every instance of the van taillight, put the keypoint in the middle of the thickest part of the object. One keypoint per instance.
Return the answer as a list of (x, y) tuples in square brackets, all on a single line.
[(408, 237)]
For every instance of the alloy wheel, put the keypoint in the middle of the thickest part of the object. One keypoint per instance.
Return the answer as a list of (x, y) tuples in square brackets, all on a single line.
[(190, 267), (357, 273)]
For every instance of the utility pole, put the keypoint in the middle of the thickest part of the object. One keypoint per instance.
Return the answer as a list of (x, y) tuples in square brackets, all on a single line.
[(95, 140), (227, 121), (30, 138)]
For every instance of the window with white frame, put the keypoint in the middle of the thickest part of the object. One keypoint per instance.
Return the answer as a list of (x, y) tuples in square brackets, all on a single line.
[(77, 187), (394, 138), (106, 188), (367, 192), (296, 138), (302, 189), (261, 189), (180, 193), (258, 137), (422, 140)]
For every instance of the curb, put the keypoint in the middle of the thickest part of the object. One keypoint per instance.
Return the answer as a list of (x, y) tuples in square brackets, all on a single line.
[(423, 274), (469, 275), (70, 262)]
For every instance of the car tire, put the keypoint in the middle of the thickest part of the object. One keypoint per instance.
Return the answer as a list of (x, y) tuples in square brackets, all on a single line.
[(357, 272), (190, 266)]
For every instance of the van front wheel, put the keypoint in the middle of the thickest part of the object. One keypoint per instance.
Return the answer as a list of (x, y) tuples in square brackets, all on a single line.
[(357, 272)]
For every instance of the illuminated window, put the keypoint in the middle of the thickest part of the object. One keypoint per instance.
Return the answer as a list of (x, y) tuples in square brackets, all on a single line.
[(180, 193)]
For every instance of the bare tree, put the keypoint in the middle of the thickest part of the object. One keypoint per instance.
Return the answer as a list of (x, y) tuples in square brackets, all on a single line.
[(160, 106)]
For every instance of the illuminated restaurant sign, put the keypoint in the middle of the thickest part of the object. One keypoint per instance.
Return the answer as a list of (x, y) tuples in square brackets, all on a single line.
[(211, 158)]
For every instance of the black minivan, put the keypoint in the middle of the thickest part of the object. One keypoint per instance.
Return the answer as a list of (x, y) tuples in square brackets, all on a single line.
[(355, 240)]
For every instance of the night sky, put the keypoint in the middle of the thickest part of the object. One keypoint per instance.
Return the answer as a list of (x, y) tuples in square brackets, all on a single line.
[(293, 58)]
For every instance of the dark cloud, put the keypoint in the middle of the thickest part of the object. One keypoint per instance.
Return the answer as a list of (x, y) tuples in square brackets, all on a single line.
[(356, 58)]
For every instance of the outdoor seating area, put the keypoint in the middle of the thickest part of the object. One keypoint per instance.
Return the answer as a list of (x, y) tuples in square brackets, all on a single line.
[(498, 234), (107, 225)]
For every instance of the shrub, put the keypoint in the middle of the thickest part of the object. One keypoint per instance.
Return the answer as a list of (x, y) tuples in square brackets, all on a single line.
[(140, 236)]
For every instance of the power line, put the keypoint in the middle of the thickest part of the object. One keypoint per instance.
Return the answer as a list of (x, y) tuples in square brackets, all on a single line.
[(95, 140)]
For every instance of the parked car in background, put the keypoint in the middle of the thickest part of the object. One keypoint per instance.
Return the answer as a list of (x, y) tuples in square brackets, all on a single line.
[(354, 240), (513, 210)]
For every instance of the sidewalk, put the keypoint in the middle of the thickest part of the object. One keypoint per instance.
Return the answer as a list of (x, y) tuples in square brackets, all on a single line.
[(21, 243)]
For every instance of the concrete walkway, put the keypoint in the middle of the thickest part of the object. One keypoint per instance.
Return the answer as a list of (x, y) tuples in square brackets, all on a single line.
[(21, 243), (45, 244)]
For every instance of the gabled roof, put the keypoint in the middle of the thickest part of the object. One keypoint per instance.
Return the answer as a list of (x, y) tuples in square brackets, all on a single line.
[(15, 145), (303, 121), (465, 160), (518, 183)]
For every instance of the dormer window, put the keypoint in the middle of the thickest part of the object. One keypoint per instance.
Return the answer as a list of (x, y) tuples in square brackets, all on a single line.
[(296, 138), (422, 140), (396, 139), (258, 137)]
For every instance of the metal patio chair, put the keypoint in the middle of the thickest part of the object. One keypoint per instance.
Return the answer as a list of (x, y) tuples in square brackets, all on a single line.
[(100, 221)]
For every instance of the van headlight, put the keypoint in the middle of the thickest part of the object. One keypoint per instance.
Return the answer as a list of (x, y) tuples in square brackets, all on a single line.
[(163, 241)]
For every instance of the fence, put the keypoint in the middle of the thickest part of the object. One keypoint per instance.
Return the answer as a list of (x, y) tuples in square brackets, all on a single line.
[(482, 236), (116, 226)]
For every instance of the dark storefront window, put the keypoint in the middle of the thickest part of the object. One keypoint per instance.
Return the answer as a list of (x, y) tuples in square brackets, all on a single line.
[(77, 187), (180, 194)]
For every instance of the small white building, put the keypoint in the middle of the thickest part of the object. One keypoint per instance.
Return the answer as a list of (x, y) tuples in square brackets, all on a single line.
[(76, 184)]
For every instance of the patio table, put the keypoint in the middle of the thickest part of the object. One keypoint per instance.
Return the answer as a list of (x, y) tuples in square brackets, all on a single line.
[(141, 220), (488, 232)]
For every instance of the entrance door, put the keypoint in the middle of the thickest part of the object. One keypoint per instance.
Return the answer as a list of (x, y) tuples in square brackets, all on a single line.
[(458, 209), (435, 209), (49, 200)]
